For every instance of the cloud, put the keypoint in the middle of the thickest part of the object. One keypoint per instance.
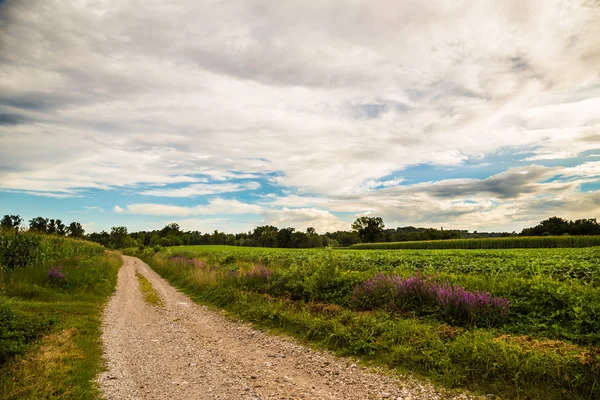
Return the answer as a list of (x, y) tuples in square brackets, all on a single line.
[(509, 200), (302, 218), (215, 206), (326, 100), (202, 189)]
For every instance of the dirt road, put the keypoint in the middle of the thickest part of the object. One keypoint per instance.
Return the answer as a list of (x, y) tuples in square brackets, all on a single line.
[(185, 351)]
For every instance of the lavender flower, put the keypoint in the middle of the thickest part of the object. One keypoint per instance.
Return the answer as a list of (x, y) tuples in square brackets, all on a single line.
[(416, 293), (258, 272), (56, 274)]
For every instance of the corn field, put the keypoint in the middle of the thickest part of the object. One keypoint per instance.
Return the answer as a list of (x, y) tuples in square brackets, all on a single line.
[(520, 242), (29, 248)]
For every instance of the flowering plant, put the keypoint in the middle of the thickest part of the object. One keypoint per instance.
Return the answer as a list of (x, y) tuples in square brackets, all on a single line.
[(56, 274), (425, 295)]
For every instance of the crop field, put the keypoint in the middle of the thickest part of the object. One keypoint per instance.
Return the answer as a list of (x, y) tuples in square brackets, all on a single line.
[(518, 242), (519, 323)]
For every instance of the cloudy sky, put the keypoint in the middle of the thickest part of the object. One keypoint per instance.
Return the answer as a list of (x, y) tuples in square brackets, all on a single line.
[(219, 114)]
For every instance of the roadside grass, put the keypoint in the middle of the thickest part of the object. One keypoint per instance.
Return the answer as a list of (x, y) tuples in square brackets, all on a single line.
[(151, 296), (515, 365), (52, 347)]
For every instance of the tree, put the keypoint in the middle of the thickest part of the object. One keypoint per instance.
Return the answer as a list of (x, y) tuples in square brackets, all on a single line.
[(119, 238), (39, 224), (284, 237), (76, 230), (311, 231), (51, 227), (11, 222), (368, 228), (60, 228), (103, 238), (170, 229), (299, 240), (265, 236)]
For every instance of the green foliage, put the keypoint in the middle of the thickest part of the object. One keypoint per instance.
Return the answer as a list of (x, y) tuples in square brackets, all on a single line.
[(558, 226), (17, 331), (29, 248), (524, 242), (11, 223), (368, 228)]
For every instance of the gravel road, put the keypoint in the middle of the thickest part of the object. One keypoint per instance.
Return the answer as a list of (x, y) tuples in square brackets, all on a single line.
[(186, 351)]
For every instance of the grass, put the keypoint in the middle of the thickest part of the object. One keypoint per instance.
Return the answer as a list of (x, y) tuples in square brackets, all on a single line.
[(150, 294), (547, 347), (52, 345)]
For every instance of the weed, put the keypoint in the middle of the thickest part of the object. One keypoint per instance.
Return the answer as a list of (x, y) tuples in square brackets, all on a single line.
[(151, 296)]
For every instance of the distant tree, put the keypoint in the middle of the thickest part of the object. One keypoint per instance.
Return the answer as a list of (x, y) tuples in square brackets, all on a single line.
[(344, 238), (368, 228), (559, 226), (299, 240), (76, 230), (51, 227), (170, 229), (119, 238), (284, 237), (265, 236), (11, 222), (103, 238), (39, 224), (61, 229), (310, 231)]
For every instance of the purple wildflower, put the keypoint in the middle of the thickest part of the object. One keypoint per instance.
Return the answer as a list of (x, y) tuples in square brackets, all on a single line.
[(416, 292), (258, 272), (55, 273)]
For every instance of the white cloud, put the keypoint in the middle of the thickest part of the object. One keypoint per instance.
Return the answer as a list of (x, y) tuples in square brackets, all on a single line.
[(202, 189), (302, 218), (215, 206), (326, 99)]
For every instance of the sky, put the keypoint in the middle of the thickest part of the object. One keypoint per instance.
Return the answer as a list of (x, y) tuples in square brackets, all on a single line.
[(217, 114)]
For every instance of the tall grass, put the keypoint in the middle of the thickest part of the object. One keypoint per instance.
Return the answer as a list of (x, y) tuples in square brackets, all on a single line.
[(520, 242)]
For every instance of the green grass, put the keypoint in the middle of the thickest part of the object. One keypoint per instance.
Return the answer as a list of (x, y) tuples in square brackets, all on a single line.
[(519, 242), (51, 343), (547, 347), (150, 294)]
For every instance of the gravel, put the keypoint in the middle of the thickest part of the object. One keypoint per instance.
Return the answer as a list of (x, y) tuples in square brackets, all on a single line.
[(186, 351)]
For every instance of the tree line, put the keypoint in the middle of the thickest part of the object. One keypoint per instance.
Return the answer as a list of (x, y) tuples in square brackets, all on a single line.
[(364, 230), (43, 225)]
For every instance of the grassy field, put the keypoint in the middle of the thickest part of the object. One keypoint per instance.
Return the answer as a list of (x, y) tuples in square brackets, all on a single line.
[(520, 323), (52, 292)]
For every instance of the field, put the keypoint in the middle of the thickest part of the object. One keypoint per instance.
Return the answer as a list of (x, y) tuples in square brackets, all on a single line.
[(518, 242), (52, 292), (519, 323)]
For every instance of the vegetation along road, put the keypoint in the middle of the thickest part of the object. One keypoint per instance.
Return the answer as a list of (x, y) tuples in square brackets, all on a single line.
[(170, 347)]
